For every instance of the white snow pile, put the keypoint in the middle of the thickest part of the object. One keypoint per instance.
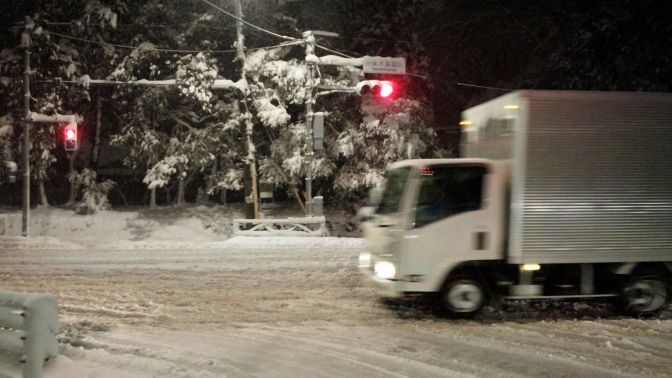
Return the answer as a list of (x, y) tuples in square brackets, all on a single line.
[(290, 242), (163, 228)]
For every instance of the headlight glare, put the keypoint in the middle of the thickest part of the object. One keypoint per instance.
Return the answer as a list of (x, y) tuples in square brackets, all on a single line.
[(385, 269)]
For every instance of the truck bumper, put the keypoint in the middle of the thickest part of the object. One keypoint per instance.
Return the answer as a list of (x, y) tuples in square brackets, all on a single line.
[(384, 288)]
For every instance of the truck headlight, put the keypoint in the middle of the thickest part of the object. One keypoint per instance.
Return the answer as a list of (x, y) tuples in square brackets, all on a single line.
[(364, 259), (385, 269)]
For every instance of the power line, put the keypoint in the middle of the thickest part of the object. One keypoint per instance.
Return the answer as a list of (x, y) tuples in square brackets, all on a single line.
[(294, 42), (118, 25), (416, 75), (344, 52), (135, 47), (485, 87), (333, 51), (168, 50), (248, 23), (373, 39)]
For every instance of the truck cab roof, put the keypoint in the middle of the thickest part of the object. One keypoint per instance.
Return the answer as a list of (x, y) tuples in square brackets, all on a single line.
[(425, 162)]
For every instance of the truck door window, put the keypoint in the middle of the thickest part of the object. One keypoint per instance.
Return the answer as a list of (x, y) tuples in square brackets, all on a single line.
[(448, 190), (395, 182)]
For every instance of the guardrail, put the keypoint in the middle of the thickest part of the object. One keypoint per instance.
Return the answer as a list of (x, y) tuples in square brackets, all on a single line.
[(308, 226), (28, 328)]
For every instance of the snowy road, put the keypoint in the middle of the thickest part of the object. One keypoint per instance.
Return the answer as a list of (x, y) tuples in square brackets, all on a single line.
[(296, 307)]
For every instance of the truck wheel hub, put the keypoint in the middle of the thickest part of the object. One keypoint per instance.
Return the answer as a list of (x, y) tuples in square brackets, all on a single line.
[(646, 295), (464, 297)]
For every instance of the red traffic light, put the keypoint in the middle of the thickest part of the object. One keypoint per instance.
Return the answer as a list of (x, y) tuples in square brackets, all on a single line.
[(70, 135), (377, 88), (386, 89)]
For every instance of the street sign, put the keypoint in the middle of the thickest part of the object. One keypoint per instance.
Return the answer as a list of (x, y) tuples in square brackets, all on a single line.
[(384, 65)]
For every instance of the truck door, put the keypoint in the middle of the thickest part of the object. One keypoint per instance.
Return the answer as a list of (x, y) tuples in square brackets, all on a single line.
[(386, 227), (454, 220)]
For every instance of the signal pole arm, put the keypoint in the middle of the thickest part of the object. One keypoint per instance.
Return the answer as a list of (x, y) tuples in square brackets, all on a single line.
[(43, 118), (333, 60)]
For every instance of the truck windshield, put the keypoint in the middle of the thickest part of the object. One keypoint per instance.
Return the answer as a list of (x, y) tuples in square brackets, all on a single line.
[(394, 189)]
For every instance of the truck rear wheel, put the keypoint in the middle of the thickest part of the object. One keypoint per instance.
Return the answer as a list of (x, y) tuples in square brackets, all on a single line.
[(462, 297), (645, 295)]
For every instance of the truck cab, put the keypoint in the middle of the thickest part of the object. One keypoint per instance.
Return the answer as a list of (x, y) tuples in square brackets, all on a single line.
[(432, 216)]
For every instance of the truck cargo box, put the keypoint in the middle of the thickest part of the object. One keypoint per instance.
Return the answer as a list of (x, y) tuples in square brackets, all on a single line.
[(591, 173)]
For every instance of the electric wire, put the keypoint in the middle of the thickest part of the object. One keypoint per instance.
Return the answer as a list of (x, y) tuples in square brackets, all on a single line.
[(416, 75), (485, 87), (294, 42), (343, 51), (333, 51), (170, 50), (135, 47), (249, 23), (161, 26)]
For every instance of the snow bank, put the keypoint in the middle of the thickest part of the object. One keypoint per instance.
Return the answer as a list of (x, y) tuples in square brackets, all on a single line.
[(289, 242), (189, 227)]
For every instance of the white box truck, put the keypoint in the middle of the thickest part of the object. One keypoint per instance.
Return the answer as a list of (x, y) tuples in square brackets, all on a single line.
[(559, 194)]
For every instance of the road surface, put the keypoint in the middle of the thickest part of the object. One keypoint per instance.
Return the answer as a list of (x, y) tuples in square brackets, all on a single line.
[(296, 308)]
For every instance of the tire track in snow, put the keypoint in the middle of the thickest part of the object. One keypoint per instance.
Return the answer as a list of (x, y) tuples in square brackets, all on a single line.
[(503, 356), (350, 353), (588, 338)]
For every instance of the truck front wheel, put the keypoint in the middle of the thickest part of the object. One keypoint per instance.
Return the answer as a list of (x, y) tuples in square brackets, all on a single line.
[(645, 295), (462, 297)]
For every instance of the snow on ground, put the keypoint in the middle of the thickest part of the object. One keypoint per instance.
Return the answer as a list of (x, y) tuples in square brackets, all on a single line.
[(292, 307), (141, 228)]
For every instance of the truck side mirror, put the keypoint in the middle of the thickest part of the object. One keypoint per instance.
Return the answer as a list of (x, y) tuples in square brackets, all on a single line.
[(365, 213), (375, 195)]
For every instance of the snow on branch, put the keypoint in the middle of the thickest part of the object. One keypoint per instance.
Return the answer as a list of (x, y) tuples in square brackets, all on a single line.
[(217, 84), (43, 118), (271, 115), (160, 173), (333, 60)]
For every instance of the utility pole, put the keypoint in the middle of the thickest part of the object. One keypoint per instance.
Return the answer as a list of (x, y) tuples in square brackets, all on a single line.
[(25, 43), (309, 38), (95, 151), (250, 175)]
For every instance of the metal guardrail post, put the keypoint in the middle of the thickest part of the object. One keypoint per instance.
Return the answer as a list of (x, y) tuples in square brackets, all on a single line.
[(306, 226), (31, 322)]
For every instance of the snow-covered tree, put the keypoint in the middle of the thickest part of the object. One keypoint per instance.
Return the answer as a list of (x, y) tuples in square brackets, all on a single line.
[(389, 131), (144, 124), (94, 197), (177, 133)]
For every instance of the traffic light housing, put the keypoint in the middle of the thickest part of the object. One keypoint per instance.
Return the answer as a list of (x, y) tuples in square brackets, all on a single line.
[(70, 142), (383, 89)]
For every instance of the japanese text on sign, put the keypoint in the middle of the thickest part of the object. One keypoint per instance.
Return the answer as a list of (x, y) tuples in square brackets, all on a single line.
[(384, 65)]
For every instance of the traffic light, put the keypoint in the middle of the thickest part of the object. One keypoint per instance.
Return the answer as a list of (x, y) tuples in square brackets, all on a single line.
[(70, 137), (383, 89)]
